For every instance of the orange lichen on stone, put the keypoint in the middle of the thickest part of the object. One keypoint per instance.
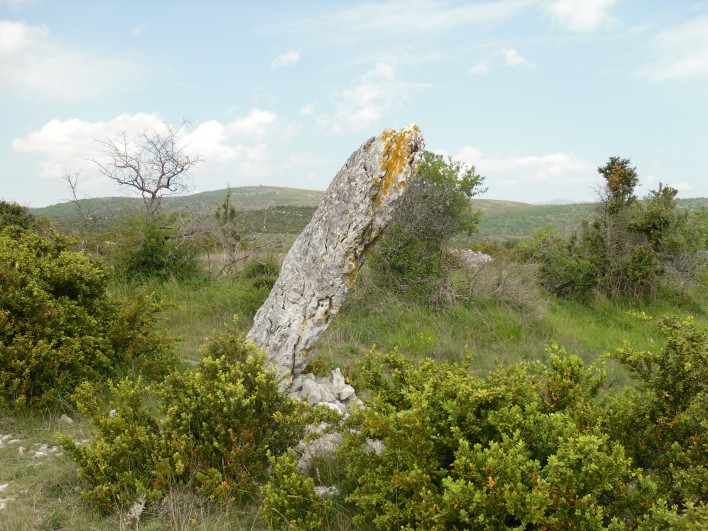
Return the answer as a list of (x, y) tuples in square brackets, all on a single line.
[(396, 155)]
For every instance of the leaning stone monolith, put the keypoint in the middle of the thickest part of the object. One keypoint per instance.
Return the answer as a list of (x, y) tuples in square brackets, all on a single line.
[(321, 266)]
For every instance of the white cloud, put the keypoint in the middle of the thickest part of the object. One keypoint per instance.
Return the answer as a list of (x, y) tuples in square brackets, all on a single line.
[(139, 30), (32, 65), (364, 103), (680, 52), (69, 145), (307, 110), (286, 59), (16, 37), (533, 178), (479, 69), (21, 3), (651, 182), (581, 15), (683, 186), (255, 124), (514, 58), (394, 17)]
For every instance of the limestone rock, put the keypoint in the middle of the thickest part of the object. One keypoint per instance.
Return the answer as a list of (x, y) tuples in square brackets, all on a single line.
[(330, 391), (321, 266), (470, 259)]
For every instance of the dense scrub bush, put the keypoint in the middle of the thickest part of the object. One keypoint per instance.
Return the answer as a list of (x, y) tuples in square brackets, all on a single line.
[(289, 500), (214, 430), (662, 421), (153, 247), (411, 258), (261, 271), (629, 249), (58, 327), (526, 447), (17, 215)]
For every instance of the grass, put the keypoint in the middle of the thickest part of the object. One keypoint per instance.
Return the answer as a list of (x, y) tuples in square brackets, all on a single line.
[(45, 491), (196, 309), (493, 332), (489, 331)]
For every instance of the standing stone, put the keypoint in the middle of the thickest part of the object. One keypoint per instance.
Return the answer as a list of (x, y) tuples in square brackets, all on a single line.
[(321, 266)]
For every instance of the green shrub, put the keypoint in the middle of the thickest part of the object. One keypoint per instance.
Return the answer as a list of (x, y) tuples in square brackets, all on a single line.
[(289, 499), (411, 258), (58, 327), (261, 272), (128, 457), (663, 421), (17, 215), (629, 249), (521, 447), (152, 247), (213, 430), (141, 345)]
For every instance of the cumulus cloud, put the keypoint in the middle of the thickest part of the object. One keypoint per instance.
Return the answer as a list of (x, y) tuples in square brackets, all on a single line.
[(255, 124), (286, 59), (16, 37), (581, 15), (70, 145), (679, 52), (514, 58), (366, 101), (534, 177), (32, 64)]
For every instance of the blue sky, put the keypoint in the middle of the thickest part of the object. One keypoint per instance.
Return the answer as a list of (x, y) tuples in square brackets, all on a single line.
[(535, 93)]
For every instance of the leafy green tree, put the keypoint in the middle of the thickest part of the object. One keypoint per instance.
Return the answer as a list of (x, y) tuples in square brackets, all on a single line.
[(630, 248), (620, 181), (412, 257), (14, 214)]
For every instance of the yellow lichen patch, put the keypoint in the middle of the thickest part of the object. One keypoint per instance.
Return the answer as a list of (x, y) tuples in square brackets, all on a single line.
[(350, 278), (396, 155)]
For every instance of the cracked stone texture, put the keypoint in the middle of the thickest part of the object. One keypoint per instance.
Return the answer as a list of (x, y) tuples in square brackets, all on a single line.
[(322, 265)]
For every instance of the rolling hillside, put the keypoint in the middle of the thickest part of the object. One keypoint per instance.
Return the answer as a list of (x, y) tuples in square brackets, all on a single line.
[(277, 210)]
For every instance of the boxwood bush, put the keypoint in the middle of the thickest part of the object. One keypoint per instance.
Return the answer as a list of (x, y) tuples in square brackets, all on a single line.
[(58, 327)]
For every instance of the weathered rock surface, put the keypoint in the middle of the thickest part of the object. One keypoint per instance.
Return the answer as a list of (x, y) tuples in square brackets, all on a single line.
[(321, 266), (470, 259), (330, 391)]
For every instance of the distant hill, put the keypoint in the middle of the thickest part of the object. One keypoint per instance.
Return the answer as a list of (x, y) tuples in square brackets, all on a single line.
[(287, 210), (243, 198)]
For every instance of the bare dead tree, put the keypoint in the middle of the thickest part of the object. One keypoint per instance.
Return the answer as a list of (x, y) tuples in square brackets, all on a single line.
[(152, 166), (86, 211), (223, 230)]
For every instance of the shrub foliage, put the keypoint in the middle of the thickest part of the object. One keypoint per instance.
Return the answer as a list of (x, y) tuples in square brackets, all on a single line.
[(58, 327), (531, 446), (213, 430), (412, 258), (629, 249)]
